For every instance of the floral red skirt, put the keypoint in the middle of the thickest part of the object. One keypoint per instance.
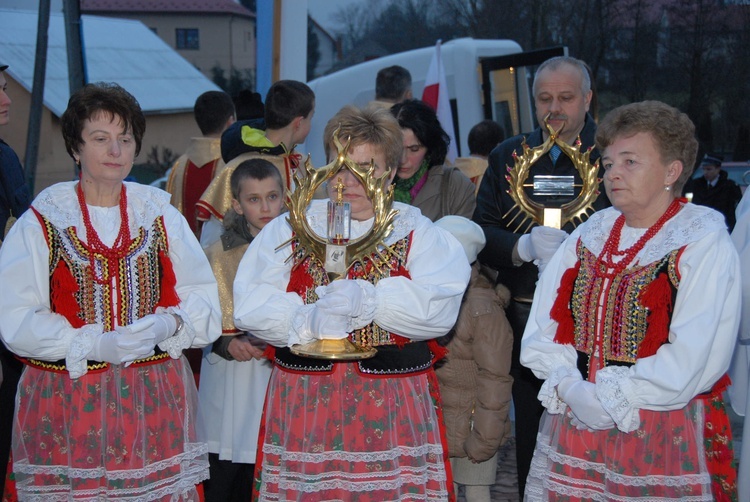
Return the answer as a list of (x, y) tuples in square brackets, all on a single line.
[(120, 434), (349, 436), (674, 455)]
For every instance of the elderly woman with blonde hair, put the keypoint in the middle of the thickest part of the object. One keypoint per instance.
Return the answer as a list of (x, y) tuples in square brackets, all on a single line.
[(369, 429)]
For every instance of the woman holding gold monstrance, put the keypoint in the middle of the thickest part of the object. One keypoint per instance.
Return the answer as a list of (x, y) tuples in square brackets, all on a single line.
[(368, 427)]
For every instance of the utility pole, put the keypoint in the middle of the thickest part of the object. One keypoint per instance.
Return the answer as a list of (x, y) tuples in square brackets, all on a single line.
[(74, 46), (37, 94), (282, 42)]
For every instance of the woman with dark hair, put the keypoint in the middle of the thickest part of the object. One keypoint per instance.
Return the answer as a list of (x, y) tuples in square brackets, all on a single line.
[(104, 286), (422, 180)]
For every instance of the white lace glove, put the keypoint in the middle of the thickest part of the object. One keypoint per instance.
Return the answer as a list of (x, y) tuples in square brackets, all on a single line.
[(311, 323), (540, 244), (354, 298), (158, 326), (119, 347), (586, 409)]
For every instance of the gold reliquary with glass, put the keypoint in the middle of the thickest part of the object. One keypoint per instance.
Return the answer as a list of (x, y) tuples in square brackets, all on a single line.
[(527, 212), (338, 251)]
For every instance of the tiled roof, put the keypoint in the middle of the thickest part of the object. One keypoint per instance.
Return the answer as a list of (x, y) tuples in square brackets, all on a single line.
[(166, 6), (161, 80)]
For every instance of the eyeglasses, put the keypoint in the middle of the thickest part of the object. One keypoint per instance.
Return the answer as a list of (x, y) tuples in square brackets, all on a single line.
[(413, 148)]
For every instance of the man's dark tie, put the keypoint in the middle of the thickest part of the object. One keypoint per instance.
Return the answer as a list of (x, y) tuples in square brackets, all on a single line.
[(554, 152)]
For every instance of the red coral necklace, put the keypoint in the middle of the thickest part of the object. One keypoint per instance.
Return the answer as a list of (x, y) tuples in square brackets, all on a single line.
[(109, 255), (605, 261)]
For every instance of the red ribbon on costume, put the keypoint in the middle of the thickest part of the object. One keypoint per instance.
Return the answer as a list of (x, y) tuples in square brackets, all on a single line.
[(561, 308), (657, 298), (168, 297)]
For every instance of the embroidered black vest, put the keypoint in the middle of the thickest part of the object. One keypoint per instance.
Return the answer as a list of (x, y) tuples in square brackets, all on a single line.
[(75, 294), (628, 311)]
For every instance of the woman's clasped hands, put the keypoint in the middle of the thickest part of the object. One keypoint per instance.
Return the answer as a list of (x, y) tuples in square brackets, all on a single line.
[(586, 410), (342, 307), (135, 341)]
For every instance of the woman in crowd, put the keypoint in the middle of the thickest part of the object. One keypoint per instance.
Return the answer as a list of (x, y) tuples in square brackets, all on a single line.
[(633, 326), (369, 429), (422, 180), (104, 285), (443, 193)]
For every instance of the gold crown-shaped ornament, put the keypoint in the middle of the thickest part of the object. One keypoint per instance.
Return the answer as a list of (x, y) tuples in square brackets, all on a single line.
[(377, 189), (534, 212), (370, 246)]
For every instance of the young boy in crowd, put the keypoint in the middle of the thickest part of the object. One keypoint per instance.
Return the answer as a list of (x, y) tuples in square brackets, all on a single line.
[(234, 375), (289, 109)]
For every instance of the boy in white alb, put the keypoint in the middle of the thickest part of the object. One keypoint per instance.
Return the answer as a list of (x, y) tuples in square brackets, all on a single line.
[(234, 374)]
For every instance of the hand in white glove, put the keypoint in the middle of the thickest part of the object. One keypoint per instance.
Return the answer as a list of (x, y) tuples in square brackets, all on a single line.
[(134, 341), (344, 296), (354, 298), (118, 347), (587, 410), (540, 244), (312, 323), (158, 326)]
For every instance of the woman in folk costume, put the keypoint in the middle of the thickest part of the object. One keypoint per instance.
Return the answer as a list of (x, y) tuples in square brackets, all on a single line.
[(371, 429), (739, 372), (633, 326), (104, 285)]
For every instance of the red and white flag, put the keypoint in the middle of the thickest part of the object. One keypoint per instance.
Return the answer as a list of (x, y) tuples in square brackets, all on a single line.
[(435, 94)]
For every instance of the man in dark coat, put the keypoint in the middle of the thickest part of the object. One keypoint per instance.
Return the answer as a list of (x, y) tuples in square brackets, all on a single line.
[(562, 89), (716, 190), (14, 193)]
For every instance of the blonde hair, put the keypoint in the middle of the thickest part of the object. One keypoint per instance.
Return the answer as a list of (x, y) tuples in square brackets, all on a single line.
[(372, 125)]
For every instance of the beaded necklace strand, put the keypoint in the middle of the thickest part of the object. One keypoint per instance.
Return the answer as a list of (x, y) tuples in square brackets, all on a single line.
[(109, 255), (605, 261)]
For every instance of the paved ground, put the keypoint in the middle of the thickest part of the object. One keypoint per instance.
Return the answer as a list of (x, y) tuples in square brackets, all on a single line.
[(506, 485)]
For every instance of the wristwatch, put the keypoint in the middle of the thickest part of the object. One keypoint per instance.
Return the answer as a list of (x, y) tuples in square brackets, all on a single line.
[(180, 323)]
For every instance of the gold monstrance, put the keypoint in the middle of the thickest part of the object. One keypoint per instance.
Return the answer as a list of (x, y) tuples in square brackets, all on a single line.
[(534, 212), (337, 250)]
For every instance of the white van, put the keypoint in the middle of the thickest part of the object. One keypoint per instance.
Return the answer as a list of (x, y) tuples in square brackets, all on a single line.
[(486, 79)]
